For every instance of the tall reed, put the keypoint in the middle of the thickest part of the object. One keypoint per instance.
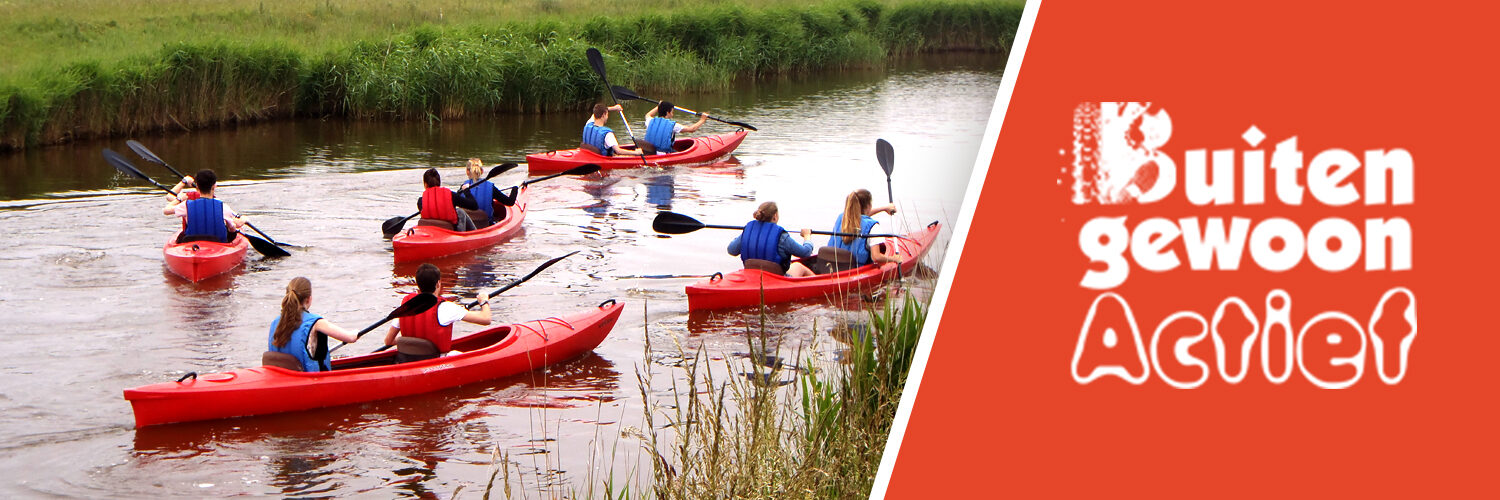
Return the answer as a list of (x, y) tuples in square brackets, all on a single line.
[(436, 68)]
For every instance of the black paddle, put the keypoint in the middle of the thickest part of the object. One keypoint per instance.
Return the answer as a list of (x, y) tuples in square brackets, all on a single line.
[(887, 158), (120, 163), (675, 223), (417, 305), (627, 94), (596, 61), (584, 169), (146, 154), (393, 225), (503, 289)]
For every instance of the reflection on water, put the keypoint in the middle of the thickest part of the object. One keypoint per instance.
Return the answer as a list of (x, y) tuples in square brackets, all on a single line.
[(82, 264)]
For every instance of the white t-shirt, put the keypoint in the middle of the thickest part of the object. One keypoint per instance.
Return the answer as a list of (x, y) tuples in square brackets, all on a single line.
[(448, 313)]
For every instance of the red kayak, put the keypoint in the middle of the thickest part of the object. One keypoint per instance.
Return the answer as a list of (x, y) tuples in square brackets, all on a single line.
[(197, 260), (489, 354), (421, 243), (745, 286), (694, 150)]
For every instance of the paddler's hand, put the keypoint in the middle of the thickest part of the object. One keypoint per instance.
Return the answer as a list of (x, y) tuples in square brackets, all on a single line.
[(187, 181), (806, 233), (616, 107)]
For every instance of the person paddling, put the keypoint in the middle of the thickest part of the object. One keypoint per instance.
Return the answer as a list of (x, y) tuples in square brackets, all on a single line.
[(662, 130), (851, 251), (600, 139), (204, 217), (764, 240), (485, 195), (432, 330), (438, 203), (301, 334)]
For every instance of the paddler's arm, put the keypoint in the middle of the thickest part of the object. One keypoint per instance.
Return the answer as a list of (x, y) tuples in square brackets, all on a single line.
[(465, 200), (734, 246), (890, 209), (390, 335), (790, 246), (482, 316), (326, 327), (702, 118)]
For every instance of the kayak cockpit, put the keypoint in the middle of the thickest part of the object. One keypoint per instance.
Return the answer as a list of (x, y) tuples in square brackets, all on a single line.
[(468, 344)]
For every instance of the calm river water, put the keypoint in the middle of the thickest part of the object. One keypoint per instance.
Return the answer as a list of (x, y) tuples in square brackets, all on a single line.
[(89, 309)]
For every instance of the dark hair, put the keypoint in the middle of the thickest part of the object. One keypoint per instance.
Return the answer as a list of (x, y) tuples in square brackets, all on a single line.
[(431, 179), (600, 110), (664, 108), (297, 292), (766, 212), (427, 278), (205, 180)]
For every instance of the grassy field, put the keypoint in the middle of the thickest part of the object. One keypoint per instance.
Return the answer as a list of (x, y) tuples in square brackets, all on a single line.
[(83, 68)]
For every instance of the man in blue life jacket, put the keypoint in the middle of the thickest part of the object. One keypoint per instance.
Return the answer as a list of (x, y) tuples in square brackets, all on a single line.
[(600, 139), (204, 218), (661, 130)]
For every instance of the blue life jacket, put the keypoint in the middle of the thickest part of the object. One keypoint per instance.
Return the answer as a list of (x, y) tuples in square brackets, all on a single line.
[(297, 346), (484, 194), (761, 240), (593, 135), (205, 217), (661, 132), (859, 247)]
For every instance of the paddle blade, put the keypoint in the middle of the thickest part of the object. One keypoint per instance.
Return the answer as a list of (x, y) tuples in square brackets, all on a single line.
[(500, 169), (625, 94), (886, 156), (146, 154), (123, 165), (743, 125), (266, 248), (596, 61), (417, 305), (393, 225), (582, 169), (675, 223)]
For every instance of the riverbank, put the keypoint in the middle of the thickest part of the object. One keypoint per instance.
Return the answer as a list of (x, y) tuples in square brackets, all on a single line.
[(80, 75)]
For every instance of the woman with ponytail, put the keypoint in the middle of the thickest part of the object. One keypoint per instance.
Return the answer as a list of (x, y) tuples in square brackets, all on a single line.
[(302, 334), (763, 239), (855, 219)]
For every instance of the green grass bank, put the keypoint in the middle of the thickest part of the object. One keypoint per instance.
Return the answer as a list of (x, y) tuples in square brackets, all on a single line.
[(95, 68)]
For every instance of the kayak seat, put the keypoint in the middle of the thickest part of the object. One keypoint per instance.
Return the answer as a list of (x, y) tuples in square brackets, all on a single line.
[(409, 349), (835, 260), (480, 219), (281, 360), (436, 223), (764, 265), (590, 148)]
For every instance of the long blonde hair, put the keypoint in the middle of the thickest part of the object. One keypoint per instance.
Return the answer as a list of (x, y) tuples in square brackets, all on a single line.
[(475, 169), (855, 206), (297, 292)]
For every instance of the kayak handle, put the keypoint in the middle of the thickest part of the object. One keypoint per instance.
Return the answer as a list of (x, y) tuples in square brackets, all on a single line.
[(716, 277), (934, 223), (195, 247), (605, 303), (192, 375)]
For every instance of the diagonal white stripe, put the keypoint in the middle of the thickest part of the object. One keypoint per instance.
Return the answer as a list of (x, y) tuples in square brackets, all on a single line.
[(960, 235)]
